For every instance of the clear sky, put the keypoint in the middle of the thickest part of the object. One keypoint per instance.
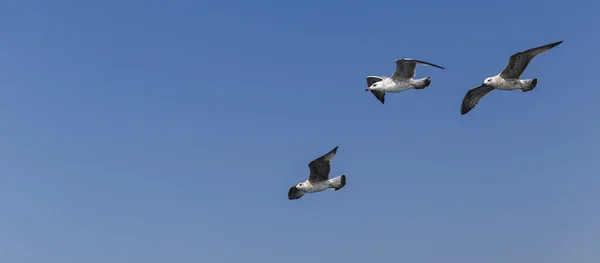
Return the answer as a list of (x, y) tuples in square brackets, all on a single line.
[(171, 131)]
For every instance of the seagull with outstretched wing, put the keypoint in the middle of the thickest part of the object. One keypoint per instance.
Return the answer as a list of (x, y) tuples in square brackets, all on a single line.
[(401, 80), (508, 79), (319, 178)]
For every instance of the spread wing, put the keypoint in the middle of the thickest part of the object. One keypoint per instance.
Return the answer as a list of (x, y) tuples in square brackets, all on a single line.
[(473, 97), (518, 62), (319, 168), (373, 79), (405, 68), (380, 95), (295, 193)]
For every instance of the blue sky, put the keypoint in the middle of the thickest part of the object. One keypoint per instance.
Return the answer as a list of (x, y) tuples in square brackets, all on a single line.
[(171, 131)]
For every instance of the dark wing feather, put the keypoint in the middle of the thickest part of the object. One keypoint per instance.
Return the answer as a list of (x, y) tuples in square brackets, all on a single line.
[(380, 95), (319, 168), (405, 68), (519, 61), (372, 80), (473, 97), (295, 193)]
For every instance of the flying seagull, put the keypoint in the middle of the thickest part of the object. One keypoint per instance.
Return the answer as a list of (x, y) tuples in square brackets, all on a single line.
[(401, 80), (319, 178), (508, 79)]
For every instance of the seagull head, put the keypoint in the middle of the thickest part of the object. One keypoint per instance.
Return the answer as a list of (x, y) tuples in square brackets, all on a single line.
[(375, 86), (301, 186), (488, 81)]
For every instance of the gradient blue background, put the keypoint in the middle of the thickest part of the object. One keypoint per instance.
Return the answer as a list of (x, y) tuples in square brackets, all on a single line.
[(171, 131)]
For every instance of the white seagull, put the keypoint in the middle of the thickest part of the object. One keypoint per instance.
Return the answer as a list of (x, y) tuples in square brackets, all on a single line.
[(508, 79), (319, 178), (401, 80)]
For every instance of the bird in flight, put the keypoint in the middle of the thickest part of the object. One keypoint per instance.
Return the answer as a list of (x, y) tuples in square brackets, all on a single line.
[(401, 80), (319, 178), (508, 79)]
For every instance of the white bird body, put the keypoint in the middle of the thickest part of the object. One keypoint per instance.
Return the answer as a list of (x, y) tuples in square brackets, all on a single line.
[(508, 84), (395, 86), (319, 186)]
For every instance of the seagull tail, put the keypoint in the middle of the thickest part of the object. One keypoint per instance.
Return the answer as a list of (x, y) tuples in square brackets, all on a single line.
[(338, 182), (423, 83), (530, 84)]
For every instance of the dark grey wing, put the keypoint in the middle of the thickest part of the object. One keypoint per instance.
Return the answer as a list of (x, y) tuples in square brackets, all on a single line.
[(518, 62), (405, 68), (295, 193), (319, 168), (473, 97), (380, 95), (372, 80)]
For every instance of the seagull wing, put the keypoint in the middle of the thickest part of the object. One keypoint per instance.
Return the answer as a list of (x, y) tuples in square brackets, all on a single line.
[(319, 168), (295, 193), (380, 95), (405, 68), (518, 62), (373, 79), (473, 97)]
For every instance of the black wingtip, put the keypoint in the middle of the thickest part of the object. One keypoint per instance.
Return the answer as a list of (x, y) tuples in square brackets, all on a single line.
[(552, 45), (440, 67), (464, 108), (335, 149), (379, 95), (292, 193)]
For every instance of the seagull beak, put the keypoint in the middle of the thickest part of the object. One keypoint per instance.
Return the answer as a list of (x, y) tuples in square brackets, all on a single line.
[(367, 89)]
